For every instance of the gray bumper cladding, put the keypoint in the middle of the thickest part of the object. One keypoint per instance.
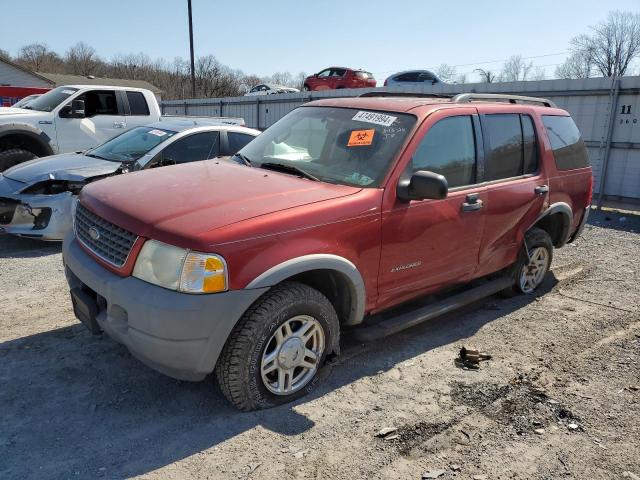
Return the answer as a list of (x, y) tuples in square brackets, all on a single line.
[(178, 334)]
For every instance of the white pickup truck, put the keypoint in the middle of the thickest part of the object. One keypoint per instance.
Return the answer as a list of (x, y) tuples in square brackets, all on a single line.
[(74, 118)]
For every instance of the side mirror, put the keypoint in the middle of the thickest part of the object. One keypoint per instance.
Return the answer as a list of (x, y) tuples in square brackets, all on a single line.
[(422, 185), (77, 108)]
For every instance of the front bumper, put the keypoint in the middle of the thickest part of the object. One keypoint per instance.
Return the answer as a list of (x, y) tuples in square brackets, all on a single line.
[(45, 217), (178, 334)]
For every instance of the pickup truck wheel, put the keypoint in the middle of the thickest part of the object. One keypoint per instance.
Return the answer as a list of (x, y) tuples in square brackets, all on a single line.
[(275, 352), (13, 156), (530, 270)]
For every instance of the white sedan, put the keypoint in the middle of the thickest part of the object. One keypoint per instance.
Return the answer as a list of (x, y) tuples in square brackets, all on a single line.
[(269, 89)]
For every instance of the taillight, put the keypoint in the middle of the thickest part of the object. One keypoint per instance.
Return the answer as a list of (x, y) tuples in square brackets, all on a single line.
[(590, 196)]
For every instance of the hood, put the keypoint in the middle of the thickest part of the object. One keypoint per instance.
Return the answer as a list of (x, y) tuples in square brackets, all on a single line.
[(69, 166), (14, 111), (181, 204)]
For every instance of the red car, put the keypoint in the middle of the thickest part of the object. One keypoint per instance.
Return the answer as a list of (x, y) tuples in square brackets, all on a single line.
[(333, 78), (336, 216)]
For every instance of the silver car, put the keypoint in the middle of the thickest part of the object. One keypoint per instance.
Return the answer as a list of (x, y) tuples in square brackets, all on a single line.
[(412, 77), (37, 198)]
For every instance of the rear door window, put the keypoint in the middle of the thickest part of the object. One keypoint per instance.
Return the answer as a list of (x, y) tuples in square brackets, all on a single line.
[(137, 103), (503, 134), (568, 147), (449, 148), (236, 141), (199, 146)]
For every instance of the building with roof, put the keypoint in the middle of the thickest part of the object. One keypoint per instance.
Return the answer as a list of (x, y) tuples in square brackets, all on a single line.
[(14, 75)]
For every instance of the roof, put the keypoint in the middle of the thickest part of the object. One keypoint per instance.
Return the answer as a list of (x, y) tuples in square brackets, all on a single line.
[(182, 124), (59, 79), (401, 104)]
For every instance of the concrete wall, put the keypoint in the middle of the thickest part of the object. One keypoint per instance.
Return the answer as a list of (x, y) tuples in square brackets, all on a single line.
[(594, 103)]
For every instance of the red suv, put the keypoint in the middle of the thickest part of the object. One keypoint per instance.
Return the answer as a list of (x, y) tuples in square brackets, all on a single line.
[(339, 212), (338, 77)]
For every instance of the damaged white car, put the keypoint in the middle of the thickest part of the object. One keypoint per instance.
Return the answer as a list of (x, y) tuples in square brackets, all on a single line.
[(37, 198)]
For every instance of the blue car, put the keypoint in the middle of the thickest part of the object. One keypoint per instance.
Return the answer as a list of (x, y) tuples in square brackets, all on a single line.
[(412, 77)]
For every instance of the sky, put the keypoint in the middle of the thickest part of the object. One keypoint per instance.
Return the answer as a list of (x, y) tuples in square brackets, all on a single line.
[(297, 36)]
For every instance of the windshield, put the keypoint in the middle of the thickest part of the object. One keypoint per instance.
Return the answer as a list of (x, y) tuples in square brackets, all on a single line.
[(335, 145), (131, 145), (51, 99)]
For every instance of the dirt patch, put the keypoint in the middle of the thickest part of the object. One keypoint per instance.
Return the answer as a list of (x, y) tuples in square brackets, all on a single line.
[(78, 406)]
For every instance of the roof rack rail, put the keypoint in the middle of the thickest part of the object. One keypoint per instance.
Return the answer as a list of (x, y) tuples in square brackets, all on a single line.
[(404, 94), (470, 97)]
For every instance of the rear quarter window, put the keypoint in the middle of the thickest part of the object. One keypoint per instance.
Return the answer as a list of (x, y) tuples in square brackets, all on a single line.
[(137, 103), (568, 147)]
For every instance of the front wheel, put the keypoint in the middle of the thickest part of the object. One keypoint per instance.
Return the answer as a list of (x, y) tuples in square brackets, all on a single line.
[(306, 88), (14, 156), (276, 351)]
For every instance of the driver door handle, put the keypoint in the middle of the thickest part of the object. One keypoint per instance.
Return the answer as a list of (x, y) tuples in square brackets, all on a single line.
[(472, 207), (541, 190), (119, 124), (473, 203)]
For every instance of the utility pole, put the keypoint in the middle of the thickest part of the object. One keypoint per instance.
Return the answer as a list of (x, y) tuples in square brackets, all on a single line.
[(193, 69)]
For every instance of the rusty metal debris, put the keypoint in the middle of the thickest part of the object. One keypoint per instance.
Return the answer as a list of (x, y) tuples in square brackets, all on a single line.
[(471, 357)]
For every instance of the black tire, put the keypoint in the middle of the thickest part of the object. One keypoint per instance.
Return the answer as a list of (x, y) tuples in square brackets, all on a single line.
[(535, 238), (238, 369), (14, 156), (306, 88)]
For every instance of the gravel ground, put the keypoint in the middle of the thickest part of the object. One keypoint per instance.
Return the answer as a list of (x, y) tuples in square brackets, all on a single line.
[(559, 399)]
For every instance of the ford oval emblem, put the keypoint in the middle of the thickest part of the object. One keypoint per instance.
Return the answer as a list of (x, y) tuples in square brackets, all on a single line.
[(94, 233)]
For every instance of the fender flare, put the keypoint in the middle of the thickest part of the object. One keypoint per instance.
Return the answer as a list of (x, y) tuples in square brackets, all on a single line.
[(321, 261), (567, 214), (35, 134)]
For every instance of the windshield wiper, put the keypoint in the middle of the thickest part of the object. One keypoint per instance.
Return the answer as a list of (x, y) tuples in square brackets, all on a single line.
[(244, 158), (288, 169), (93, 155)]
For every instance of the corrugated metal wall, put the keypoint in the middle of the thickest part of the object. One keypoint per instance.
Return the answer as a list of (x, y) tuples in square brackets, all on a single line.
[(590, 101)]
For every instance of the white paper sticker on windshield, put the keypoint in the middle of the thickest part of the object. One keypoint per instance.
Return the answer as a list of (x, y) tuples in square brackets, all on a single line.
[(373, 117), (68, 92), (157, 133)]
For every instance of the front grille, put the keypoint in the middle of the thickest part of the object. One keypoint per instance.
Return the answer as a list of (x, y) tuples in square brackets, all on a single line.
[(109, 242)]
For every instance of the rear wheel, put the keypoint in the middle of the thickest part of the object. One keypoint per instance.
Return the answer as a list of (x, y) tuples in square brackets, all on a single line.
[(306, 88), (530, 269), (276, 351), (14, 156)]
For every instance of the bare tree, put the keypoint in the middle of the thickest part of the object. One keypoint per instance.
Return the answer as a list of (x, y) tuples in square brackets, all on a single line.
[(577, 65), (446, 73), (38, 57), (4, 54), (486, 76), (515, 69), (461, 78), (539, 73), (81, 59), (613, 43)]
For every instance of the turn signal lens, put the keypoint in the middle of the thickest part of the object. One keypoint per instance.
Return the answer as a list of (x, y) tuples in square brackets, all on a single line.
[(203, 273)]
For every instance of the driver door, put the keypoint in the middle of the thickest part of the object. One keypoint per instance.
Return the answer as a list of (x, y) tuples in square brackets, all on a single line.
[(103, 119), (431, 244)]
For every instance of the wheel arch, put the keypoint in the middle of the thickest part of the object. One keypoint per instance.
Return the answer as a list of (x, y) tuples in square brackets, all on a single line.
[(334, 276), (28, 138), (556, 221)]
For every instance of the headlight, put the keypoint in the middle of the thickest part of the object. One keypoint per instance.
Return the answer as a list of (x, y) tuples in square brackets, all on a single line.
[(179, 269)]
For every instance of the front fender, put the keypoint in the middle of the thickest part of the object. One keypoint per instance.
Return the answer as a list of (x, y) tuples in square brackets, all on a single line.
[(306, 263), (35, 134)]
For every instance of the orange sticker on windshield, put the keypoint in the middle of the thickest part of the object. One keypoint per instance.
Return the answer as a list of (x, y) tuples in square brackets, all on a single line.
[(361, 137)]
